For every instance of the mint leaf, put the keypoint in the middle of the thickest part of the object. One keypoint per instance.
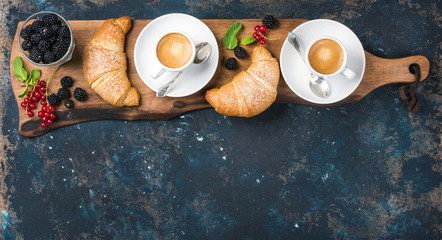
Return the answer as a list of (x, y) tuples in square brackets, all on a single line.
[(247, 40), (19, 71), (230, 41), (35, 74)]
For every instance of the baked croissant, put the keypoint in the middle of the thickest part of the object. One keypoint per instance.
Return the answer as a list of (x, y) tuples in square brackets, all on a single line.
[(252, 91), (105, 63)]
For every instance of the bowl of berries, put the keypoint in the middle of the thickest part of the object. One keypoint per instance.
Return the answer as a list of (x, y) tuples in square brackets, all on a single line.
[(46, 39)]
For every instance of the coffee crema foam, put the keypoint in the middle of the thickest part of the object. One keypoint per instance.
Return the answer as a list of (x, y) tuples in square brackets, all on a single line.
[(326, 56), (174, 50)]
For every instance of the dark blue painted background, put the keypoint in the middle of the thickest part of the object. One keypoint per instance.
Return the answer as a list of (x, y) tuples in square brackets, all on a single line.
[(366, 170)]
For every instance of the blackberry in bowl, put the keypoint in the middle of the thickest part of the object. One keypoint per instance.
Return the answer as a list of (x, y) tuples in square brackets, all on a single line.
[(45, 39)]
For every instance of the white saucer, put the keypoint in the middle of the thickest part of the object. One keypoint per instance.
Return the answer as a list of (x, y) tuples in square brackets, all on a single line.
[(195, 77), (296, 73)]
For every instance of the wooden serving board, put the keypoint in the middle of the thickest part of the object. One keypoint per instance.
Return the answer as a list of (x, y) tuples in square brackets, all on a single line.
[(378, 72)]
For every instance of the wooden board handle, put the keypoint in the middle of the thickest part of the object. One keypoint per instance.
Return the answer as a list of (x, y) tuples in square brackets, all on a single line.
[(378, 72)]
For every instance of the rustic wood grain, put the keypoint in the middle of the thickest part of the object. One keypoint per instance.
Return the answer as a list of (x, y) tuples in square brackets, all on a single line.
[(378, 72)]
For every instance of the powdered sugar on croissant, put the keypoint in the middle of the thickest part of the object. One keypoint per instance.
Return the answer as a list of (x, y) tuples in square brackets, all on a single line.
[(105, 64), (252, 91)]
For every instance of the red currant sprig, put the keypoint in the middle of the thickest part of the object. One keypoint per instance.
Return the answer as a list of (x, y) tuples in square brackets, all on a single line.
[(47, 115), (39, 93), (260, 34), (29, 102)]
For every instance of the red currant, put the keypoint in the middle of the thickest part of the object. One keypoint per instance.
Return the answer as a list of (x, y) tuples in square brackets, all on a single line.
[(43, 83), (43, 97), (27, 100), (37, 94), (52, 116), (28, 95), (43, 125), (255, 35), (30, 114), (49, 121), (38, 86), (23, 104), (263, 33), (262, 28), (259, 38), (43, 103), (44, 108), (42, 89), (32, 105), (44, 119), (257, 27), (40, 114), (51, 108), (262, 41), (46, 114), (34, 99)]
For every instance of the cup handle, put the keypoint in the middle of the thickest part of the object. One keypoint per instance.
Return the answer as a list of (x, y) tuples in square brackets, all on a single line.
[(156, 72), (348, 73)]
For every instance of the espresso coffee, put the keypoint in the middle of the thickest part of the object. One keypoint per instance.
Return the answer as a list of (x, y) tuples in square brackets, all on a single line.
[(174, 50), (326, 56)]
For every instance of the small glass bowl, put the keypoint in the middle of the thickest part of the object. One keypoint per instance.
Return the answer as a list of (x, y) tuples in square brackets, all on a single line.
[(67, 56)]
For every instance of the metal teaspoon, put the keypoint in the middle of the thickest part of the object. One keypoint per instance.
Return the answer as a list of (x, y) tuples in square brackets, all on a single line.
[(318, 85), (203, 51)]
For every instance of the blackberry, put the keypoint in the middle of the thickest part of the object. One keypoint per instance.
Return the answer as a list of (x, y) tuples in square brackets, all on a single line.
[(43, 46), (26, 33), (64, 32), (63, 93), (269, 21), (55, 27), (52, 39), (33, 48), (36, 56), (26, 45), (53, 100), (65, 41), (68, 103), (59, 50), (29, 27), (66, 82), (64, 48), (80, 94), (45, 32), (50, 18), (48, 57), (36, 38), (58, 56), (240, 53), (37, 25), (230, 63)]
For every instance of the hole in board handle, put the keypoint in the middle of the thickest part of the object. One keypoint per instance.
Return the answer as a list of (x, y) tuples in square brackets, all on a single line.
[(411, 68)]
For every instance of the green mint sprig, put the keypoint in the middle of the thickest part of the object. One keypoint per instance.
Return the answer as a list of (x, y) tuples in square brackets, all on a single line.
[(22, 75)]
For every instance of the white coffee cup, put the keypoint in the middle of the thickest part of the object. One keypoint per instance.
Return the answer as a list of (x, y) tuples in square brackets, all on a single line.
[(343, 69), (161, 68)]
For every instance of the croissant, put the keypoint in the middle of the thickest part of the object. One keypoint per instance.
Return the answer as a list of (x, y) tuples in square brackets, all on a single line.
[(251, 92), (105, 63)]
